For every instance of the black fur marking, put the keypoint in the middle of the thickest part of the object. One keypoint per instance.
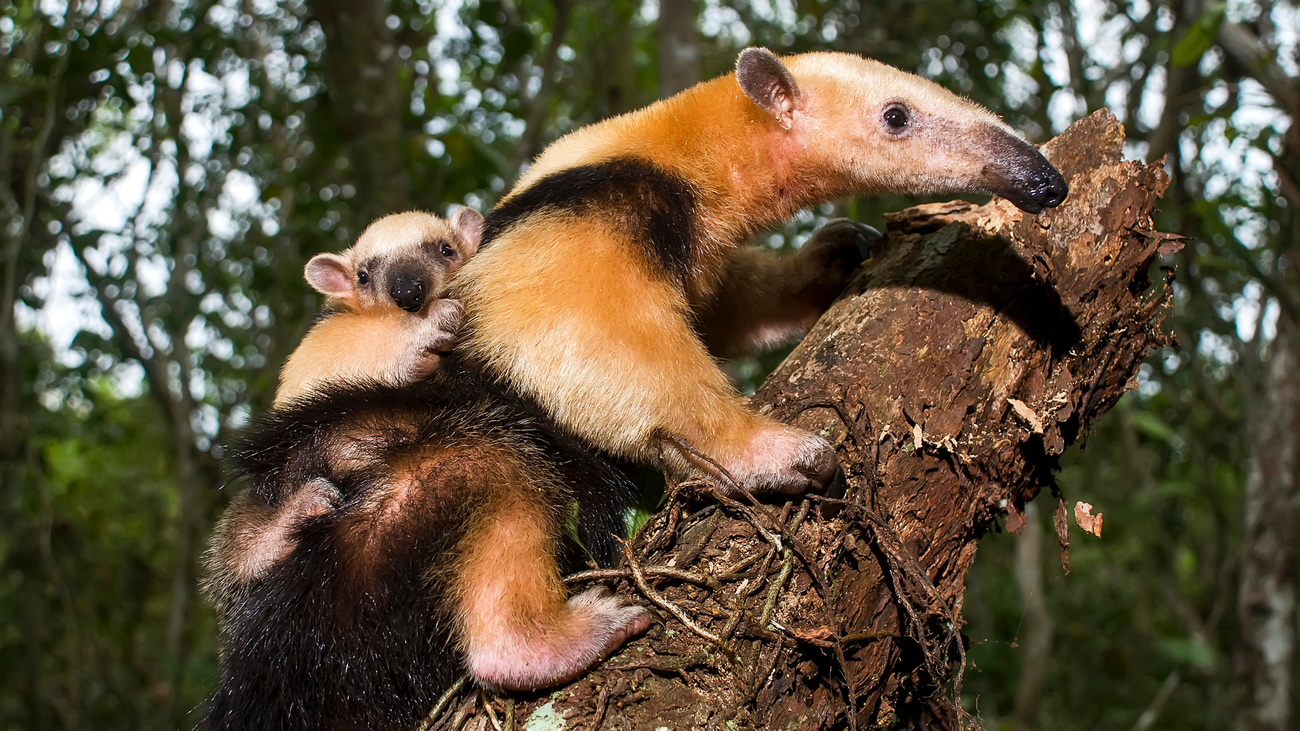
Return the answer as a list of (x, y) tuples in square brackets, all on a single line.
[(656, 207), (326, 313), (333, 637)]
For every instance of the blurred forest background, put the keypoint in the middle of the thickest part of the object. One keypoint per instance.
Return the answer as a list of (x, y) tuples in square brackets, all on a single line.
[(166, 168)]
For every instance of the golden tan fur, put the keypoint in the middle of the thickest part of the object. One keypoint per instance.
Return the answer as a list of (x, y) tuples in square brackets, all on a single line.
[(754, 173), (560, 307)]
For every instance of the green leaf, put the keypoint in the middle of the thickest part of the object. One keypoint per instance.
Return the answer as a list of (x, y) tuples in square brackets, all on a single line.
[(1189, 651), (1151, 426), (636, 520), (1198, 39)]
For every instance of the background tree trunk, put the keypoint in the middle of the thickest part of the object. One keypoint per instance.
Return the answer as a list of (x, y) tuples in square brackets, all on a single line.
[(1036, 624), (977, 344), (1267, 662), (679, 46), (1267, 608), (367, 111)]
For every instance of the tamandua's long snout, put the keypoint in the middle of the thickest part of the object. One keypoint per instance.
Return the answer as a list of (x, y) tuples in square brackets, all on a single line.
[(1018, 172)]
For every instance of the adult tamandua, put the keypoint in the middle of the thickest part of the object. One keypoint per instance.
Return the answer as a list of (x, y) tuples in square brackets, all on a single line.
[(385, 318), (596, 268), (437, 556)]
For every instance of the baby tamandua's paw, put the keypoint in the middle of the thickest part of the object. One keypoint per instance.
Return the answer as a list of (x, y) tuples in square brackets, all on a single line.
[(437, 334)]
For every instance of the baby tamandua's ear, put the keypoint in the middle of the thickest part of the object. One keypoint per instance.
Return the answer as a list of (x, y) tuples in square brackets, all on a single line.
[(332, 276), (468, 225)]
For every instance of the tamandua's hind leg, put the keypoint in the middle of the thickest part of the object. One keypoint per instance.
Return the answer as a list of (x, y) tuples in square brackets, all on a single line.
[(519, 631), (254, 535), (765, 301)]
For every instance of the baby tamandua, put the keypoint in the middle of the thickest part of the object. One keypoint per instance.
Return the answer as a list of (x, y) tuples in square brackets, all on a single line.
[(386, 318), (601, 265), (385, 321)]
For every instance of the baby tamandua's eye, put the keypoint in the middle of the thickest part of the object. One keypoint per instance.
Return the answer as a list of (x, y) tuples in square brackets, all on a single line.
[(363, 277), (447, 251)]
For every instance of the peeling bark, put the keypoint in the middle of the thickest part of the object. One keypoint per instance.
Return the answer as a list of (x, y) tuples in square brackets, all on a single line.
[(844, 610)]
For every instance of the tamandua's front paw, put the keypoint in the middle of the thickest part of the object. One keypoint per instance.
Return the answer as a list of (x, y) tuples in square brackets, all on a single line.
[(828, 260), (443, 325), (785, 459)]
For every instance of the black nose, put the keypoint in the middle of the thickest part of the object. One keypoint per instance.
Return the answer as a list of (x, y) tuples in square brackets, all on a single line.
[(1019, 172), (1040, 185), (1054, 190), (407, 293)]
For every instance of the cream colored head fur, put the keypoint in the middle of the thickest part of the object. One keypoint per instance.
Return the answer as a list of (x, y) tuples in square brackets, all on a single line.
[(395, 254), (889, 131)]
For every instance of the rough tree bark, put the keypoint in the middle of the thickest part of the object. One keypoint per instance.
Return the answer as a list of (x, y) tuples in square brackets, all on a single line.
[(963, 360)]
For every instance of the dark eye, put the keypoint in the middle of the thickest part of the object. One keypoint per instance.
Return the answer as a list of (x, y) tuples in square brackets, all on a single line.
[(896, 118), (447, 251), (363, 277)]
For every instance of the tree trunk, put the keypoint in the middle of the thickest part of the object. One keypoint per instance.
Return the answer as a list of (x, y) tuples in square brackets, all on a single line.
[(367, 107), (1035, 625), (951, 375), (1266, 659), (1266, 606), (679, 46)]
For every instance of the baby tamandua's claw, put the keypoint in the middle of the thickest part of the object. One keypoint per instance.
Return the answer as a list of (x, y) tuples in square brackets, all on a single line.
[(439, 331)]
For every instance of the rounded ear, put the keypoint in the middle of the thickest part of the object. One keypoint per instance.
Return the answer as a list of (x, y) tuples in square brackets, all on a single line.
[(768, 83), (331, 275), (468, 224)]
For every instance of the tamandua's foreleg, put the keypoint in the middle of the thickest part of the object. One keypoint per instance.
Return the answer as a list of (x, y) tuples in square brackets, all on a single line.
[(608, 348), (518, 631), (765, 301), (400, 348)]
